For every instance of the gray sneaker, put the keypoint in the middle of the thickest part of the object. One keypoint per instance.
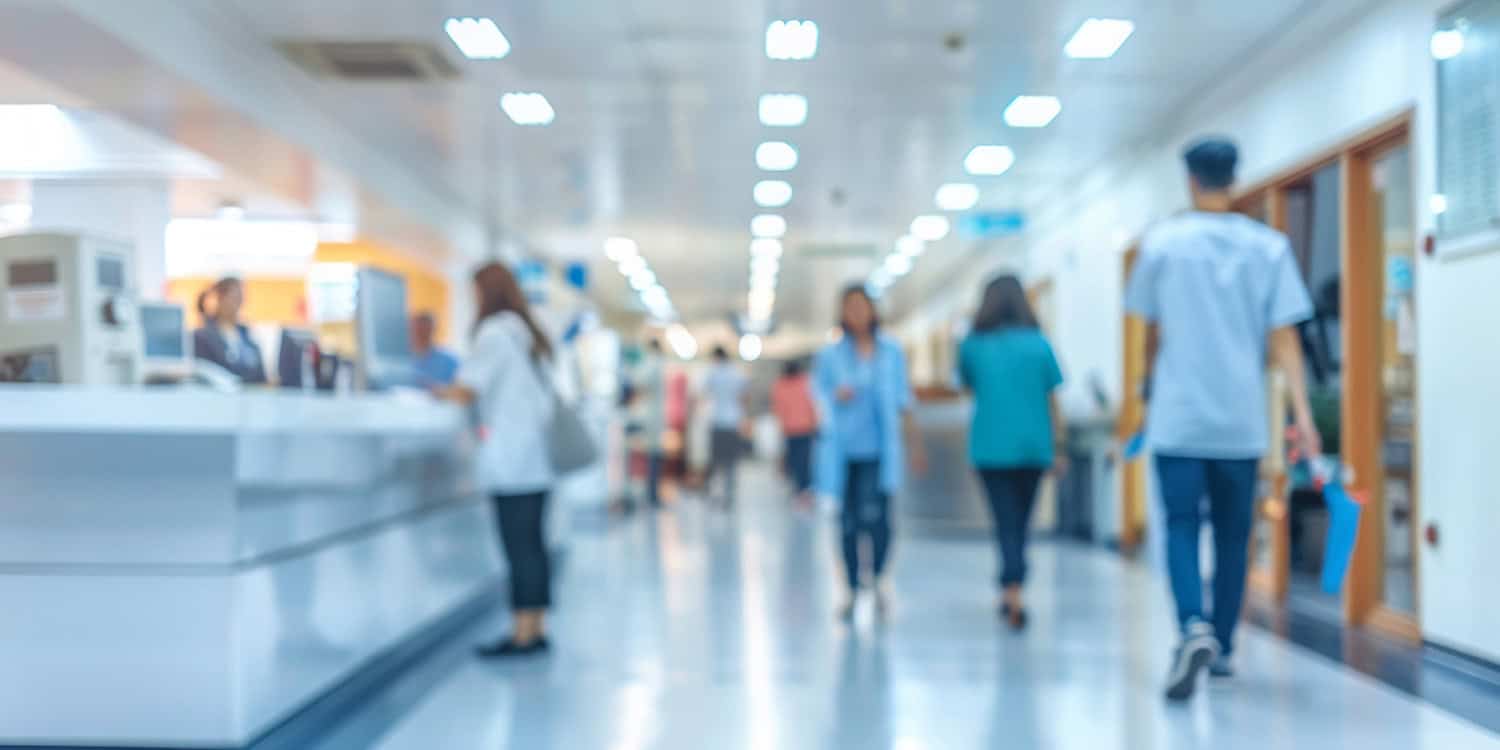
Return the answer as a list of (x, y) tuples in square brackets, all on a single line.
[(1199, 649), (1222, 668)]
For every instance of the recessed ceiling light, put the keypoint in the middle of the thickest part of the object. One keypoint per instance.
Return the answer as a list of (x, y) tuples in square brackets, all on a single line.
[(682, 341), (783, 110), (1099, 38), (526, 108), (773, 193), (642, 280), (792, 40), (765, 247), (1032, 111), (750, 347), (897, 265), (1447, 44), (15, 213), (776, 156), (478, 38), (632, 265), (768, 226), (1439, 204), (989, 161), (957, 196), (765, 265), (930, 228), (910, 246), (619, 248)]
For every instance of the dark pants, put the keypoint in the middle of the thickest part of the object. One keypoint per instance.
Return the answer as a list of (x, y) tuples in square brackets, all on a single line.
[(522, 523), (654, 462), (1012, 494), (724, 459), (866, 513), (1229, 486), (799, 461)]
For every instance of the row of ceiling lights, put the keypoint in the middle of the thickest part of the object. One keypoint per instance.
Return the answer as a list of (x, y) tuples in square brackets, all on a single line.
[(1096, 39)]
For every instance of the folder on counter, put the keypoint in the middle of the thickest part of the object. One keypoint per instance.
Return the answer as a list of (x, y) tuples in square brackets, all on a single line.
[(1344, 509)]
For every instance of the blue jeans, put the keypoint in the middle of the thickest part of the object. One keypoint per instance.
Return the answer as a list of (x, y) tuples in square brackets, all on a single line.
[(1229, 486), (799, 450), (866, 513)]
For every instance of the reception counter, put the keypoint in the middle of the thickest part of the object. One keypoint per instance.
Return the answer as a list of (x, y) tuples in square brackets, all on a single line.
[(187, 569)]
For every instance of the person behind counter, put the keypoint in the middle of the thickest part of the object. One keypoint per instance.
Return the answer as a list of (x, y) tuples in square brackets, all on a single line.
[(1018, 427), (504, 375), (861, 382), (223, 339), (435, 366)]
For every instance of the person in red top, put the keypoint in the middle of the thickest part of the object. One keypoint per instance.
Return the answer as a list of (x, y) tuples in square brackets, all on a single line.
[(791, 400)]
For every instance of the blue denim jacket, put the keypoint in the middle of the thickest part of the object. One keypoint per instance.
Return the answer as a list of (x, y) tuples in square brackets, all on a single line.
[(830, 370)]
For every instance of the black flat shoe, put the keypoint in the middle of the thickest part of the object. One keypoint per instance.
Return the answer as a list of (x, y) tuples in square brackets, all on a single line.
[(1017, 619), (508, 648)]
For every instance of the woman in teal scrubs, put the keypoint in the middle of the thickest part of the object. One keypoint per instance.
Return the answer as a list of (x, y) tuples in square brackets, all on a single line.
[(1018, 428), (861, 387)]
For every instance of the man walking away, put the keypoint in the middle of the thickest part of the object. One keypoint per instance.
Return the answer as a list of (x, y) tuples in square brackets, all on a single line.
[(725, 389), (1217, 290)]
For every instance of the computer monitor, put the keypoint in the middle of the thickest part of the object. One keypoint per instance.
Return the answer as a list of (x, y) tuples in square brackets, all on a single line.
[(165, 340), (383, 330), (298, 348)]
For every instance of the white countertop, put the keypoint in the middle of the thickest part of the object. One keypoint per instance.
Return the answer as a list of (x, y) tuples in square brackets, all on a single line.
[(31, 409)]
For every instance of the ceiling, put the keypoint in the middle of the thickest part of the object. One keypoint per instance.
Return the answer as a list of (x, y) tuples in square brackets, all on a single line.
[(656, 122)]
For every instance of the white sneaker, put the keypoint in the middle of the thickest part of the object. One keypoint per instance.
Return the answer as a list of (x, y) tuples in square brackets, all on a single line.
[(1199, 649)]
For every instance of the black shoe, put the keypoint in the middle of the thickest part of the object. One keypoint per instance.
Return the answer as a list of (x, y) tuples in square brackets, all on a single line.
[(1199, 649), (1017, 619), (508, 648)]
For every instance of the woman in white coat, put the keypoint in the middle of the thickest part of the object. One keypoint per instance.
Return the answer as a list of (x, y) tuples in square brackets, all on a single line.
[(504, 378)]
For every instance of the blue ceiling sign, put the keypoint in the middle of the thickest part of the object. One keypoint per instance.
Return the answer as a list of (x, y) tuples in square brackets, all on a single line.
[(992, 224)]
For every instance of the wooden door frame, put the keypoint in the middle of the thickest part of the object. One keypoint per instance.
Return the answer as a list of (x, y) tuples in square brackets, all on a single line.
[(1134, 487)]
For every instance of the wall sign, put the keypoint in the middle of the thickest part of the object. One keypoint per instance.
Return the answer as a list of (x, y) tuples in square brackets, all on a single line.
[(1468, 130)]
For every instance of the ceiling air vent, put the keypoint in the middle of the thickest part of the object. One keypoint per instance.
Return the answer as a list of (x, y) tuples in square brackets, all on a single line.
[(371, 61)]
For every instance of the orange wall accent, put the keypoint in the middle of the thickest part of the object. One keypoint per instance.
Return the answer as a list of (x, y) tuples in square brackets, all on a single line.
[(426, 289)]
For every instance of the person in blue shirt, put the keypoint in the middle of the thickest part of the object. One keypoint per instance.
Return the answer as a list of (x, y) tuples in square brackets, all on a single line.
[(435, 366), (1018, 428), (1220, 294), (867, 435)]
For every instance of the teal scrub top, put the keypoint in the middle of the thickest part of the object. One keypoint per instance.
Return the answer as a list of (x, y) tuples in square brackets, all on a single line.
[(1012, 373)]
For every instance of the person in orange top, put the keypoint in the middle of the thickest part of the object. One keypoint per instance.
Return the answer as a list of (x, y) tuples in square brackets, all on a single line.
[(791, 400)]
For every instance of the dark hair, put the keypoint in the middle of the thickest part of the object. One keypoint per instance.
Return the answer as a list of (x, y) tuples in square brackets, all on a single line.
[(720, 353), (858, 290), (1004, 306), (792, 369), (1212, 162), (500, 292), (217, 290), (654, 345)]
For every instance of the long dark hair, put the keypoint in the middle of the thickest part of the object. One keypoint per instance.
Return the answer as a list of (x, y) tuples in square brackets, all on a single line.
[(1004, 306), (858, 290), (217, 290), (500, 292)]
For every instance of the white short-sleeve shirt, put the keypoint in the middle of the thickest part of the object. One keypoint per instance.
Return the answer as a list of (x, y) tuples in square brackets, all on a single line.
[(515, 407)]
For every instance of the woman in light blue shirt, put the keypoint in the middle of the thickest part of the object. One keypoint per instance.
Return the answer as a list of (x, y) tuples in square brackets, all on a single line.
[(1018, 428), (861, 387)]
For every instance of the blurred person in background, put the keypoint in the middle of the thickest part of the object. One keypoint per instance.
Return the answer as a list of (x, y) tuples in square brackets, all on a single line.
[(223, 339), (726, 391), (792, 402), (1018, 429), (506, 375), (435, 366), (650, 407), (861, 383)]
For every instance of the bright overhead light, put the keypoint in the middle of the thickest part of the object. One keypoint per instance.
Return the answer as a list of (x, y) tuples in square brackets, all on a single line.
[(1032, 111), (766, 247), (750, 347), (682, 341), (768, 226), (776, 156), (1099, 38), (15, 213), (989, 161), (763, 266), (957, 196), (632, 265), (230, 211), (897, 264), (1439, 204), (478, 38), (773, 193), (527, 108), (783, 110), (881, 277), (618, 249), (910, 246), (930, 228), (1447, 44), (655, 295), (642, 280), (792, 40)]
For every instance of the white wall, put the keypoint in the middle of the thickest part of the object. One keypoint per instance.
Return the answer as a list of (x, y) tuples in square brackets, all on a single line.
[(1326, 80)]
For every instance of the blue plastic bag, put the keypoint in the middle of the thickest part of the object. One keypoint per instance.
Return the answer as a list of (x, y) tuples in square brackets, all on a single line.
[(1343, 531)]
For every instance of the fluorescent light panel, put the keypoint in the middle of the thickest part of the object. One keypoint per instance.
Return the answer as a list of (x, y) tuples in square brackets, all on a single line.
[(1099, 38), (1032, 111), (768, 226), (478, 38), (783, 110), (766, 247), (527, 108), (792, 40), (772, 193), (776, 156), (930, 228), (617, 249), (910, 246), (751, 347), (957, 196), (1447, 44), (989, 161), (897, 265)]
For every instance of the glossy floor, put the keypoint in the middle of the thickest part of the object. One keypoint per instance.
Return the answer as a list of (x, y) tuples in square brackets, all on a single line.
[(697, 629)]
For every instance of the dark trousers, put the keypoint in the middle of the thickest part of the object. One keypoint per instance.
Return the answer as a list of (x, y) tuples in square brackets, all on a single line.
[(1012, 494), (866, 514), (523, 536), (799, 461), (1229, 486), (724, 460), (654, 462)]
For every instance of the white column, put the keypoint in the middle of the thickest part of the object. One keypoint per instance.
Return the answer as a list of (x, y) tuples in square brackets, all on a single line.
[(131, 211)]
